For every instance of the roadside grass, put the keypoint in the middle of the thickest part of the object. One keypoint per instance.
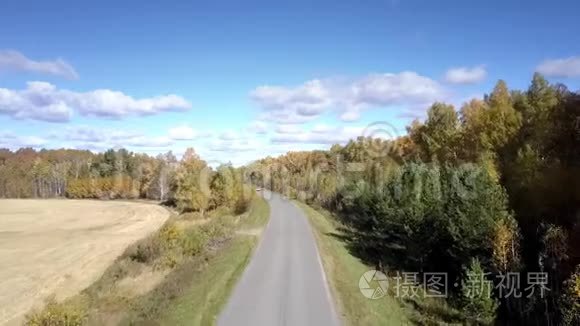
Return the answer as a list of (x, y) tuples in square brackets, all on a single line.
[(344, 271), (258, 214), (186, 269), (210, 288)]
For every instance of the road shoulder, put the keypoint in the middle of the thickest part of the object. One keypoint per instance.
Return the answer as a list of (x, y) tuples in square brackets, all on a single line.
[(343, 272)]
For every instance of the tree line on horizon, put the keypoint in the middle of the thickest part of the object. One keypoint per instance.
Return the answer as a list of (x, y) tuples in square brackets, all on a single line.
[(189, 184), (491, 188)]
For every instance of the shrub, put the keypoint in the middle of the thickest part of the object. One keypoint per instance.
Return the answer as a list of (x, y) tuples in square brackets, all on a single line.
[(57, 314), (570, 300), (146, 250), (220, 227), (241, 206), (193, 242), (170, 236), (170, 259)]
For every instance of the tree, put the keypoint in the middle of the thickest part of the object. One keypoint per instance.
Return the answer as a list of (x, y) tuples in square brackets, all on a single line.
[(538, 109), (473, 122), (163, 176), (490, 125), (191, 188), (478, 304), (506, 246), (439, 135), (570, 300), (222, 187)]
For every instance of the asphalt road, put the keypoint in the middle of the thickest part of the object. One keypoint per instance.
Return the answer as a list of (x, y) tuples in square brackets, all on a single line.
[(284, 283)]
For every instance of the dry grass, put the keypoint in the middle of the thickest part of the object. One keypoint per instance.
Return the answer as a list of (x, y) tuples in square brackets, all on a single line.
[(133, 286), (62, 246)]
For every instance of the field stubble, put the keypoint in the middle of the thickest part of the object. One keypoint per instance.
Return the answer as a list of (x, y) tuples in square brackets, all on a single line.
[(59, 247)]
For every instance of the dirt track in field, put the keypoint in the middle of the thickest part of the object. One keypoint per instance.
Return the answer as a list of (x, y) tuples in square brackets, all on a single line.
[(61, 246)]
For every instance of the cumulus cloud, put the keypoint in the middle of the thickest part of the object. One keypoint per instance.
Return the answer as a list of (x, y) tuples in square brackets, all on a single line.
[(229, 135), (16, 61), (35, 102), (320, 134), (567, 67), (233, 142), (258, 127), (184, 132), (388, 89), (13, 141), (109, 138), (43, 101), (95, 135), (350, 115), (324, 134), (466, 75), (288, 129), (233, 146), (313, 98), (146, 141), (309, 99), (322, 128)]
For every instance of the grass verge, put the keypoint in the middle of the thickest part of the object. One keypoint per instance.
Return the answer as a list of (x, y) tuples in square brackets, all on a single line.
[(258, 216), (344, 271), (180, 275), (211, 287)]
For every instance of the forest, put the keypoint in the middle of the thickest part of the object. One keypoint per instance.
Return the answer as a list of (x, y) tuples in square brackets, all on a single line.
[(487, 190), (189, 184)]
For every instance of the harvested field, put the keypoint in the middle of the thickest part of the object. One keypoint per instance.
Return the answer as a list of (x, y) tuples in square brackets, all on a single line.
[(61, 246)]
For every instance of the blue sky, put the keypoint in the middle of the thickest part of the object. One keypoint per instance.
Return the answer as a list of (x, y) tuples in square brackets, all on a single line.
[(241, 80)]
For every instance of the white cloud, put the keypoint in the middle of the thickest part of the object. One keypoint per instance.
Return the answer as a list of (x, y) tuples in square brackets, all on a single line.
[(94, 135), (43, 101), (321, 134), (183, 133), (308, 101), (288, 129), (322, 128), (36, 102), (233, 146), (567, 67), (13, 141), (258, 127), (14, 60), (466, 75), (146, 141), (388, 89), (109, 138), (93, 147), (229, 135), (352, 115)]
